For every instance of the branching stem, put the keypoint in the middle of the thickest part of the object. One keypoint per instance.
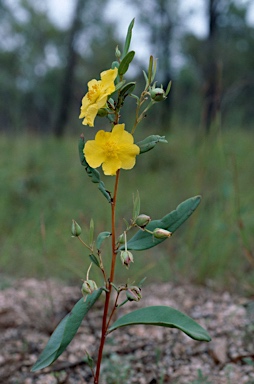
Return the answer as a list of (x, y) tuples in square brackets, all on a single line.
[(105, 323)]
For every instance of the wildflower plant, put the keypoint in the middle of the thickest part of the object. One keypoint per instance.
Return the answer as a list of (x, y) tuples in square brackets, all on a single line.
[(115, 149)]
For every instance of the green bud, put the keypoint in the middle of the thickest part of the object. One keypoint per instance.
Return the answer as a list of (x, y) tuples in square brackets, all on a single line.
[(127, 258), (160, 233), (88, 287), (102, 112), (115, 64), (133, 293), (75, 229), (121, 239), (118, 52), (142, 220), (158, 94)]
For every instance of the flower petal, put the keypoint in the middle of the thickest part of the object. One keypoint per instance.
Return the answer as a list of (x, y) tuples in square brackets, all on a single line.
[(114, 150), (90, 115), (94, 154), (128, 153), (108, 77), (96, 97), (110, 166)]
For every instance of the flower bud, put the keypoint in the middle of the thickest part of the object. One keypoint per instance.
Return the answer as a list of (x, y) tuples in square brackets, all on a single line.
[(75, 229), (127, 258), (158, 94), (102, 112), (88, 287), (121, 239), (117, 52), (160, 233), (133, 293), (142, 220)]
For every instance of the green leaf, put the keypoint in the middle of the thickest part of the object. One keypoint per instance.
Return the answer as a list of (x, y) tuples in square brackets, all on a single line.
[(150, 70), (65, 331), (124, 65), (165, 317), (149, 142), (140, 284), (168, 88), (127, 89), (119, 86), (101, 237), (91, 232), (146, 79), (128, 38), (144, 240), (136, 206), (94, 259), (92, 173)]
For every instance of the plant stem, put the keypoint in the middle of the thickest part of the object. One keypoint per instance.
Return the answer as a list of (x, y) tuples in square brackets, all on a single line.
[(105, 325)]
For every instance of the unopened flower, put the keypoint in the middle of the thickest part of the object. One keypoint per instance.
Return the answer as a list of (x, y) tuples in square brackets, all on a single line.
[(158, 94), (88, 287), (142, 220), (75, 229), (160, 233), (127, 258), (96, 97), (114, 150), (133, 293), (121, 239)]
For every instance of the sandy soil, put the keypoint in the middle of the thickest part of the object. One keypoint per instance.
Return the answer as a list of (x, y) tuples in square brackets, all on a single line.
[(30, 310)]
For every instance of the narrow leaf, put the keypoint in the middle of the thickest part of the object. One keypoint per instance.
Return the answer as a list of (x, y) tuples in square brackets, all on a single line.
[(94, 259), (124, 65), (65, 331), (146, 79), (127, 88), (165, 317), (149, 142), (144, 240), (119, 86), (101, 237), (140, 284), (136, 206), (150, 70), (168, 88), (128, 38), (91, 232)]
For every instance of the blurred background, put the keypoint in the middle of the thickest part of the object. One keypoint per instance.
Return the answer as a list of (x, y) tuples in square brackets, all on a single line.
[(48, 52)]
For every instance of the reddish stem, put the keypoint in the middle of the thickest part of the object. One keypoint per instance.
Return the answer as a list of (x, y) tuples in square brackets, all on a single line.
[(105, 325)]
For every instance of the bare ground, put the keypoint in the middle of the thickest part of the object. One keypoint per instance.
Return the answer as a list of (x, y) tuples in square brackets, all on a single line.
[(30, 310)]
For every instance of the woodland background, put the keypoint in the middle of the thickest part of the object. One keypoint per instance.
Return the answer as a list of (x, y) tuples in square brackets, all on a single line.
[(208, 120)]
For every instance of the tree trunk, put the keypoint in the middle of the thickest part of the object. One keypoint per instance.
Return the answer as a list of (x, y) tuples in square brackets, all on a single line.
[(67, 82), (211, 70)]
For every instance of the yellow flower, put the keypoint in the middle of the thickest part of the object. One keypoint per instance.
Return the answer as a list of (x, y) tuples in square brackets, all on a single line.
[(96, 97), (114, 150)]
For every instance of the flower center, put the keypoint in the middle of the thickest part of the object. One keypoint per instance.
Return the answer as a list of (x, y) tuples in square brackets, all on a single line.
[(111, 149), (94, 92)]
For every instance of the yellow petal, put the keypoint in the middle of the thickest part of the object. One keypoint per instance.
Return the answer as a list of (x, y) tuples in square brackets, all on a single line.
[(108, 77), (94, 154), (91, 113), (110, 167)]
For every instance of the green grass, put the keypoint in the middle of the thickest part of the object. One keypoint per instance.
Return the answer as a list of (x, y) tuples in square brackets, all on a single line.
[(43, 187)]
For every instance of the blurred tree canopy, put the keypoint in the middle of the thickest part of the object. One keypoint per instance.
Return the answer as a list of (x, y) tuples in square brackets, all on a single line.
[(37, 57), (44, 69), (222, 65)]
